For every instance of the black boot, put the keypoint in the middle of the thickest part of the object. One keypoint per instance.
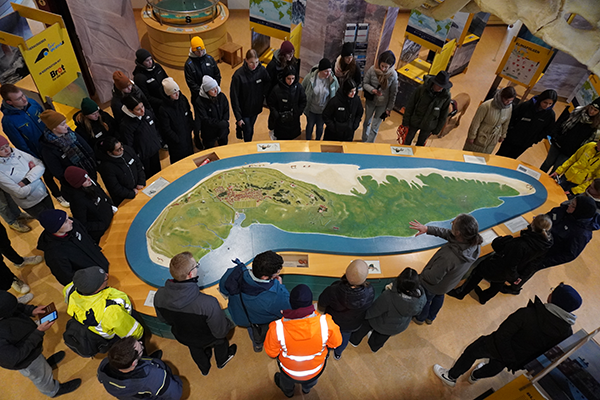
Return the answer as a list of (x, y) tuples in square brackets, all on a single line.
[(68, 387), (55, 358)]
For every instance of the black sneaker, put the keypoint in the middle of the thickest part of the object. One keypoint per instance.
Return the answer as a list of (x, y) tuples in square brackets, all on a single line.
[(230, 354), (68, 387), (276, 379), (55, 358), (336, 355), (456, 294), (510, 290), (157, 354), (257, 347)]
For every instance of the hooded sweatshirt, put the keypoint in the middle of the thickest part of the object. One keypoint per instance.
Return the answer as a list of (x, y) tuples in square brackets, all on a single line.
[(449, 264), (392, 311), (20, 341), (347, 305)]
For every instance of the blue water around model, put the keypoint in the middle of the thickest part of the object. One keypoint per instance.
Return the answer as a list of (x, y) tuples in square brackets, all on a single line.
[(245, 243)]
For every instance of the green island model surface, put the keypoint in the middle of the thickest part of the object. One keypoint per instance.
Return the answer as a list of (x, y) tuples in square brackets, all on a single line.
[(201, 219)]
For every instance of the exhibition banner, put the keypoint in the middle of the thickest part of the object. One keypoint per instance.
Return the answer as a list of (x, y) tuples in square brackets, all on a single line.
[(524, 62)]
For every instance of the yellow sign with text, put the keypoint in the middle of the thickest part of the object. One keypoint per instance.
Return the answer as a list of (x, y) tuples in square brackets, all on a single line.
[(51, 60)]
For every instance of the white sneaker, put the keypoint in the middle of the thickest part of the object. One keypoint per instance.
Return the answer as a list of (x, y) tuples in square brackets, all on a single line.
[(33, 260), (20, 286), (25, 299), (472, 379), (442, 373), (61, 200)]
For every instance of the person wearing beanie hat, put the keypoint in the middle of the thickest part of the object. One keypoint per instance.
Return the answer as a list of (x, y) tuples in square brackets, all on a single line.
[(67, 246), (347, 301), (89, 295), (345, 66), (21, 346), (320, 86), (343, 113), (52, 119), (20, 178), (197, 44), (282, 58), (90, 205), (530, 122), (304, 332), (212, 113), (570, 132), (123, 87), (287, 102), (522, 337), (380, 87), (576, 174), (177, 121), (121, 81), (94, 124)]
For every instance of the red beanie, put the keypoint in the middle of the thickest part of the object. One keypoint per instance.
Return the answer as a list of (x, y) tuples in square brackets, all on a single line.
[(3, 141), (75, 176), (286, 47)]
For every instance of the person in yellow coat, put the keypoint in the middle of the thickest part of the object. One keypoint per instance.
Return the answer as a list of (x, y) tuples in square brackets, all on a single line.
[(301, 341), (580, 170)]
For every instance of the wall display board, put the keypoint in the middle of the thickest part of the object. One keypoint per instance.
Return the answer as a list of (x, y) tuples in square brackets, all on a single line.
[(428, 29), (587, 91), (524, 62), (12, 64), (271, 17)]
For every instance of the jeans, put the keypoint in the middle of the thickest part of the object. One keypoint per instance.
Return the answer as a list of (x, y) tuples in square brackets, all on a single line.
[(423, 136), (345, 338), (202, 356), (372, 121), (554, 159), (9, 210), (475, 351), (40, 373), (45, 204), (313, 120), (432, 306), (376, 340)]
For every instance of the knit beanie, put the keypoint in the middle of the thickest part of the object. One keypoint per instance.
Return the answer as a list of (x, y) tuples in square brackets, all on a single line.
[(170, 86), (357, 272), (596, 103), (347, 49), (585, 207), (208, 83), (88, 106), (286, 48), (88, 280), (196, 43), (75, 176), (301, 296), (566, 298), (52, 119), (52, 220), (324, 64), (3, 141), (141, 55), (121, 81)]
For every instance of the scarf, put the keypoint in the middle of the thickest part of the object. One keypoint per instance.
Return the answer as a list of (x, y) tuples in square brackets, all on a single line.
[(497, 101), (578, 115), (383, 77), (299, 312), (338, 69), (69, 146)]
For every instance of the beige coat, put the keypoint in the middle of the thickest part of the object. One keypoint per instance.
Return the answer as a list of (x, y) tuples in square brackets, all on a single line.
[(488, 126)]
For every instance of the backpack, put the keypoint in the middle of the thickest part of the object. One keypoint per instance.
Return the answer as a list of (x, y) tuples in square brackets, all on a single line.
[(84, 342)]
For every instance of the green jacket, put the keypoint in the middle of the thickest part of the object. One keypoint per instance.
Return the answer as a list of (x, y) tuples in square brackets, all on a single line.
[(425, 110), (308, 84)]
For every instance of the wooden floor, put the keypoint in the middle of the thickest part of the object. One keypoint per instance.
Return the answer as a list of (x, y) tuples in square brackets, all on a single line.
[(402, 369)]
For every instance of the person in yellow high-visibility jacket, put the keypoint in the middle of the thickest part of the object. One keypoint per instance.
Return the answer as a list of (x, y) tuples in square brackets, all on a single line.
[(579, 170), (301, 341)]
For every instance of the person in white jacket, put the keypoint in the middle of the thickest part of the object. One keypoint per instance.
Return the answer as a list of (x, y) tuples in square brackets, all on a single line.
[(20, 175)]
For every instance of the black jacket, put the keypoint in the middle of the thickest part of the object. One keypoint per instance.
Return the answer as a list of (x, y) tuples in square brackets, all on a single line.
[(347, 305), (213, 116), (20, 341), (195, 68), (528, 125), (248, 91), (141, 134), (116, 103), (342, 117), (275, 70), (196, 319), (177, 123), (570, 141), (122, 174), (98, 131), (57, 162), (526, 334), (150, 82), (91, 207), (286, 105), (72, 252)]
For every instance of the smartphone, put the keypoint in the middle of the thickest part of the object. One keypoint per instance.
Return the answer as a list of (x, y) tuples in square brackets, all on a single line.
[(50, 314)]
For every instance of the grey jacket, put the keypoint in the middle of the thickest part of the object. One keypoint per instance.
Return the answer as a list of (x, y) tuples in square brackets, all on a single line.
[(308, 83), (391, 313), (388, 96), (449, 264)]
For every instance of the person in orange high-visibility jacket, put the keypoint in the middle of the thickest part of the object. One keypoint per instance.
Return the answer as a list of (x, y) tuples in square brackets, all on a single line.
[(301, 341)]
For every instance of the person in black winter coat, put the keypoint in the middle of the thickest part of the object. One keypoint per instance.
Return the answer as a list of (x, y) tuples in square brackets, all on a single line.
[(348, 300), (212, 113), (148, 76), (177, 122), (94, 124), (530, 122), (89, 204), (250, 85), (139, 131), (21, 345), (343, 113), (286, 104), (510, 257), (196, 319), (282, 59), (198, 65), (121, 170), (345, 67), (523, 336), (67, 246), (124, 87)]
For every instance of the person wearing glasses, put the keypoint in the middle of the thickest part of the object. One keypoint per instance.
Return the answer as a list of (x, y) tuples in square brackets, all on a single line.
[(126, 373), (196, 319)]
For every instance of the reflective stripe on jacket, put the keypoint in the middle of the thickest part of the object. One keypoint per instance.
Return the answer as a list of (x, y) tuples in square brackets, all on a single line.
[(582, 168)]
